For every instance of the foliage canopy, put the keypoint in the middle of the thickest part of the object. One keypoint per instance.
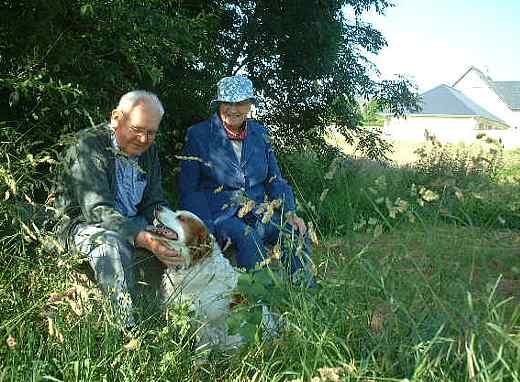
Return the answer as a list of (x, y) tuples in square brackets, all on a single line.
[(68, 62), (65, 63)]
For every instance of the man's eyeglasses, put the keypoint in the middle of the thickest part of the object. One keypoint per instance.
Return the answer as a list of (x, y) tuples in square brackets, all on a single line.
[(139, 131)]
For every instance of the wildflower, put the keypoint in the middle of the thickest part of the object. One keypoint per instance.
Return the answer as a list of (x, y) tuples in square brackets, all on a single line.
[(331, 374), (428, 195), (133, 344), (276, 203), (277, 252), (11, 342), (324, 195), (312, 233), (402, 205), (268, 214), (54, 331), (264, 263), (246, 208)]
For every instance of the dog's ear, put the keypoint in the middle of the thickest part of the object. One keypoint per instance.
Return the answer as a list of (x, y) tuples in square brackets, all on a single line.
[(200, 243)]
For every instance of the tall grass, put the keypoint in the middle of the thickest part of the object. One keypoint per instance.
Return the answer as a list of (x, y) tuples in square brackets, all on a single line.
[(419, 281), (452, 183)]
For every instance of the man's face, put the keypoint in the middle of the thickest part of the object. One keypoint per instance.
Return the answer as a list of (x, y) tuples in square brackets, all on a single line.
[(136, 130), (234, 114)]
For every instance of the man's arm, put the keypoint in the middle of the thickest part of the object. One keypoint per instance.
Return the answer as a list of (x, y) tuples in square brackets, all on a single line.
[(91, 185), (92, 189)]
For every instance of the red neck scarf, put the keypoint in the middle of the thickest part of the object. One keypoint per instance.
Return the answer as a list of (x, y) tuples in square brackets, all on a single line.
[(236, 135)]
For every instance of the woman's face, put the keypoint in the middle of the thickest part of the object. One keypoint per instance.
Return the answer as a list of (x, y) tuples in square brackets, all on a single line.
[(234, 114)]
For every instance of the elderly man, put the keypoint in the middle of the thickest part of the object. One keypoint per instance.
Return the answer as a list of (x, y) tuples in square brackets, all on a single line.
[(112, 187)]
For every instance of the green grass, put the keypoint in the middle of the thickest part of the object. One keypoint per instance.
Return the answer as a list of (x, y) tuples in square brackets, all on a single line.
[(428, 290), (436, 302)]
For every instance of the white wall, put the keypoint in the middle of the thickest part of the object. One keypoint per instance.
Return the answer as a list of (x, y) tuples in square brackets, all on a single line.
[(447, 130), (510, 138), (473, 86), (516, 118)]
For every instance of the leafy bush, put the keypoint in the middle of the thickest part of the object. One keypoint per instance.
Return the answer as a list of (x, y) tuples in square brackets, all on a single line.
[(449, 183), (463, 162)]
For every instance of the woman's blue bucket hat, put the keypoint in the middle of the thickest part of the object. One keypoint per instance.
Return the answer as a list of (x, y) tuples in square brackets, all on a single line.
[(234, 89)]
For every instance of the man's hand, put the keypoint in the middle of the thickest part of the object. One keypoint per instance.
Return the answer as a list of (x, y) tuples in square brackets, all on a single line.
[(150, 241), (297, 222)]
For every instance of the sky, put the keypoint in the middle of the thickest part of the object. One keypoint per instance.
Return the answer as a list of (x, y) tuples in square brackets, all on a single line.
[(434, 42)]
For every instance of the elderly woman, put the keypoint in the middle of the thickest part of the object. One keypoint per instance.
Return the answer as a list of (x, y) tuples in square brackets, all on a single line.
[(231, 179)]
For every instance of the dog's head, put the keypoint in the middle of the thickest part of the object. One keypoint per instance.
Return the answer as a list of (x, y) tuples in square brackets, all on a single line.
[(194, 241)]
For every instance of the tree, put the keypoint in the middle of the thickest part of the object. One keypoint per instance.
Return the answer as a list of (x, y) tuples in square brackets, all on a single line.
[(308, 60), (68, 62), (64, 64)]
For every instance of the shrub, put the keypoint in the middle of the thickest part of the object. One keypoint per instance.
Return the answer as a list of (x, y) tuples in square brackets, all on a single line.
[(457, 183)]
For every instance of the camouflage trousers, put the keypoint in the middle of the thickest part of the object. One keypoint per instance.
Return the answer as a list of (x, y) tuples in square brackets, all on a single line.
[(115, 263)]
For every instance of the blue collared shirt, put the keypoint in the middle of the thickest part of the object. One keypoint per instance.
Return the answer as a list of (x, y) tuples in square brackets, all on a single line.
[(131, 183)]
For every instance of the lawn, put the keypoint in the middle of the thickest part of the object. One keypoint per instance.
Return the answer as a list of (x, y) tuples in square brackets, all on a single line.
[(419, 273)]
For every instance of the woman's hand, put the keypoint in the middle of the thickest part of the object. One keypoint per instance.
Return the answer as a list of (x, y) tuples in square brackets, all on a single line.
[(297, 222), (153, 243)]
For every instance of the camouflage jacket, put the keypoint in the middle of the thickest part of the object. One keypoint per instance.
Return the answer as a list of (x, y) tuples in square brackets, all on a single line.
[(87, 188)]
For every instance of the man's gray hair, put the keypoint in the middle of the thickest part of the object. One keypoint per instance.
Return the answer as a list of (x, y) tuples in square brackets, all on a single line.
[(131, 99)]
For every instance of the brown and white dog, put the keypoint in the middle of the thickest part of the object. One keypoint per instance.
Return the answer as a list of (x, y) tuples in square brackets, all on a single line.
[(206, 281)]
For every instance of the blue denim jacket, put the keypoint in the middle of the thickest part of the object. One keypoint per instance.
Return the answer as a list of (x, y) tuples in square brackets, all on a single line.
[(212, 179)]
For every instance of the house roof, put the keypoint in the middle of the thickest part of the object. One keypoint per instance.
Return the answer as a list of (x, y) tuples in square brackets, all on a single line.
[(445, 100), (509, 91), (484, 77)]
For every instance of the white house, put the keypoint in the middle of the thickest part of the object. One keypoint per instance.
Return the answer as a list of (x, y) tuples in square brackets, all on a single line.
[(455, 113), (501, 98)]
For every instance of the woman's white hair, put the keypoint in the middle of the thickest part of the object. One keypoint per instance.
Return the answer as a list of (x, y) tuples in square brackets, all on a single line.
[(131, 99)]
